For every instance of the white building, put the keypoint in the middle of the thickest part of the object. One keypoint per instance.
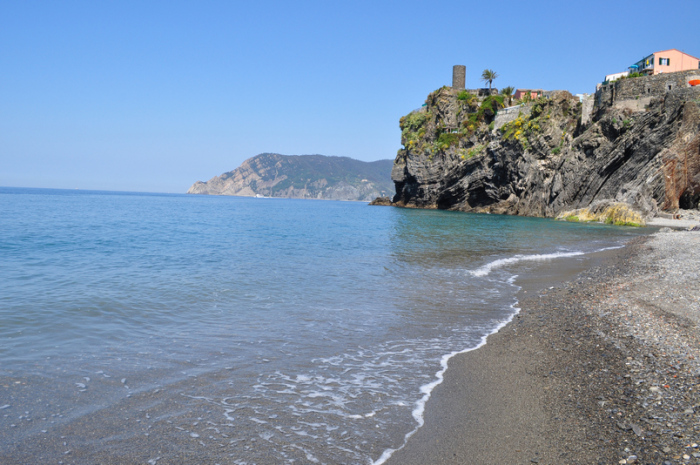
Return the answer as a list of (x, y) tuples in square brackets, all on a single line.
[(616, 76)]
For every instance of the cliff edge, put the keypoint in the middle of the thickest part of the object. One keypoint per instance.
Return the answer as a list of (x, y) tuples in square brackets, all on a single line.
[(636, 151)]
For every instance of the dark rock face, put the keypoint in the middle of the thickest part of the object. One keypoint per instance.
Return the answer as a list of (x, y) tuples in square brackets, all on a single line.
[(383, 201), (545, 163)]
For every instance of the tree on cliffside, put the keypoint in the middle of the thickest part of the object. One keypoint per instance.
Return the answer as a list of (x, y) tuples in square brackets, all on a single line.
[(507, 92), (488, 76)]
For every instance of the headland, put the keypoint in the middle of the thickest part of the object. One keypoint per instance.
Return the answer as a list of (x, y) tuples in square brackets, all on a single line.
[(302, 177), (624, 155)]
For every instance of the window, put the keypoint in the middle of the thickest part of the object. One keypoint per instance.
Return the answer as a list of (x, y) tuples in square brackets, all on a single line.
[(664, 61)]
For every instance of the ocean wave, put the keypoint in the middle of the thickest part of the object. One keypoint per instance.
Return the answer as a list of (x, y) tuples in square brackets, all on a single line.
[(427, 389), (501, 262)]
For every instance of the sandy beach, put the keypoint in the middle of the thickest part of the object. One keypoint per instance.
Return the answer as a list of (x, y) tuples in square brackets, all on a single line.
[(599, 368)]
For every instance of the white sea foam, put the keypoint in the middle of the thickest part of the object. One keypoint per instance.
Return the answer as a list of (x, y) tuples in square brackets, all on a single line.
[(501, 262), (427, 389), (611, 248)]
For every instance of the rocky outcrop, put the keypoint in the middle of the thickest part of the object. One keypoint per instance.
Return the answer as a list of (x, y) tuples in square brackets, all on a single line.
[(547, 162), (381, 201), (605, 212), (302, 177)]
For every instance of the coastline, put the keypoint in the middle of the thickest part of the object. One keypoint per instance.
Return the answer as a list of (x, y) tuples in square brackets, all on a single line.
[(599, 367)]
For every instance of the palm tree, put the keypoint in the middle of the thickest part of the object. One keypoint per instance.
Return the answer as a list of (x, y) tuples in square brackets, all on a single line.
[(488, 76), (507, 92)]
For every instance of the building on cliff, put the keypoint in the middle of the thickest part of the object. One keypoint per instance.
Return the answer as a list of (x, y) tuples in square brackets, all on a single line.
[(534, 93), (615, 76), (459, 73), (665, 61)]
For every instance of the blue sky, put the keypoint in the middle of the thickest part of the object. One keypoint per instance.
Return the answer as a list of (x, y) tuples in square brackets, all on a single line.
[(153, 96)]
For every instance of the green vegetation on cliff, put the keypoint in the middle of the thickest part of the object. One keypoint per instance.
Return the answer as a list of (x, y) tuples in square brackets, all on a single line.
[(527, 128), (450, 121)]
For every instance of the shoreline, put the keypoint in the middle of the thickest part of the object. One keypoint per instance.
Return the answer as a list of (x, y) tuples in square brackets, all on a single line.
[(581, 373)]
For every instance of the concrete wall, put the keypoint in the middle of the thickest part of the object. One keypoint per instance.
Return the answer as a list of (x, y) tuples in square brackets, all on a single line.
[(645, 87), (485, 92), (587, 104), (635, 105), (688, 93), (506, 115)]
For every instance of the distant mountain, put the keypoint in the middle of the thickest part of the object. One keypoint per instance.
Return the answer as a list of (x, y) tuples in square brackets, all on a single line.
[(303, 177)]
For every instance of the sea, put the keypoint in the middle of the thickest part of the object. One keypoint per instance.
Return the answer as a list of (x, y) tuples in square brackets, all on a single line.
[(167, 328)]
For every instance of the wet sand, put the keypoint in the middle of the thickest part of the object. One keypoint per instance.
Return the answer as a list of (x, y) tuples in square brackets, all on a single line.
[(572, 379)]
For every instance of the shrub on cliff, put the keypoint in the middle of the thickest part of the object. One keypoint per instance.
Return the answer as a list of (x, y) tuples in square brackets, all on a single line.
[(521, 129), (471, 153), (485, 114), (447, 140), (413, 128), (414, 120), (507, 92), (465, 96)]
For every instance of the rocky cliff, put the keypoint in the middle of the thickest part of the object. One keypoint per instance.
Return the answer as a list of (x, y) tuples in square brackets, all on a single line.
[(545, 162), (302, 177)]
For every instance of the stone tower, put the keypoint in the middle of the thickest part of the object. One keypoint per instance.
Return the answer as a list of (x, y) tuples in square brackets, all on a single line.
[(458, 75)]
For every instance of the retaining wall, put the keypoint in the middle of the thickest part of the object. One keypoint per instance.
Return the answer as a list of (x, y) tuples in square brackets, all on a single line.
[(619, 93), (506, 115), (587, 105)]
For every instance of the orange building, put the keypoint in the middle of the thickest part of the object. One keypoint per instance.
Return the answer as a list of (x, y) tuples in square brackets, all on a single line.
[(534, 93), (665, 61)]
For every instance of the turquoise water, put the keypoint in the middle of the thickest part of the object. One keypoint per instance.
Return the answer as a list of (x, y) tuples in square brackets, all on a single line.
[(144, 327)]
